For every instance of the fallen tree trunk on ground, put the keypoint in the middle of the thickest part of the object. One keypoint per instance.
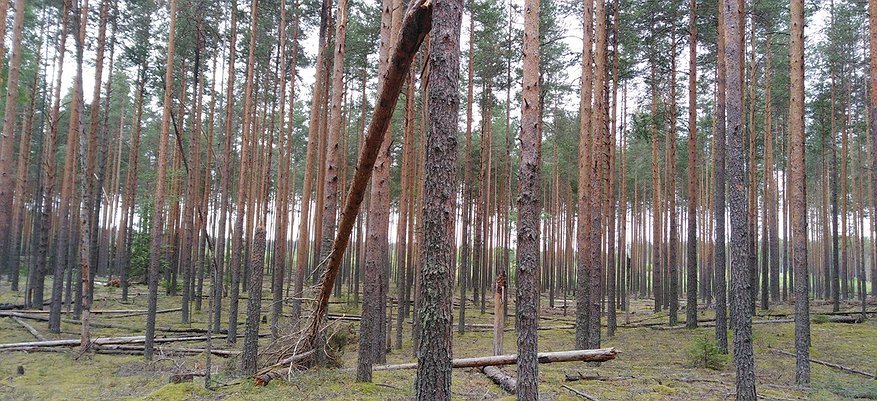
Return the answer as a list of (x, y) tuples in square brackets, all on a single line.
[(850, 319), (29, 328), (480, 327), (587, 355), (839, 313), (100, 325), (11, 306), (829, 364), (138, 350), (26, 346), (114, 312), (501, 379), (680, 327), (579, 376)]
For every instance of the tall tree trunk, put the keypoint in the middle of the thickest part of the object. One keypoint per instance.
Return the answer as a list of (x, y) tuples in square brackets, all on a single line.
[(527, 254), (583, 206), (799, 194), (238, 252), (673, 243), (433, 381), (600, 176), (48, 183), (225, 170), (691, 282), (160, 186), (313, 133), (370, 340), (465, 250), (872, 113), (720, 257), (7, 144), (740, 268)]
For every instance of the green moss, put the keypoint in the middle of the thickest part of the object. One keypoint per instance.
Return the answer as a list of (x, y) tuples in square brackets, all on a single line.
[(177, 392), (665, 390)]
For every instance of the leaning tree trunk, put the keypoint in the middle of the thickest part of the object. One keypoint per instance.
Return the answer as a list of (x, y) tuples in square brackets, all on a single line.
[(415, 26)]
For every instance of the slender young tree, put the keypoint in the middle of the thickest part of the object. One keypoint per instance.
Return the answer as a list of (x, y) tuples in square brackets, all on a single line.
[(527, 255), (872, 113), (373, 270), (691, 282), (719, 254), (798, 194)]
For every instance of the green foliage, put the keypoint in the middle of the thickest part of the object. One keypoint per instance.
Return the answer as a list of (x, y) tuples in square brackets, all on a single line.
[(167, 285), (704, 353)]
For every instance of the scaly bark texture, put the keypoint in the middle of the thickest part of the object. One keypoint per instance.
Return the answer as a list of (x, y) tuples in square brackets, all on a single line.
[(527, 255), (582, 226), (433, 380), (741, 282), (254, 303), (798, 194)]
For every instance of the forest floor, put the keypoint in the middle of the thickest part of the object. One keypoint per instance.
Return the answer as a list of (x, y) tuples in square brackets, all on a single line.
[(652, 364)]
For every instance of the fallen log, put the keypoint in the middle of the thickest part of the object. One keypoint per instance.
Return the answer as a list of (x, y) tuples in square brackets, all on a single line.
[(588, 355), (281, 369), (481, 327), (100, 325), (29, 328), (579, 393), (501, 379), (138, 350), (140, 312), (680, 327), (26, 346), (829, 364), (579, 376), (839, 313), (849, 319), (115, 312), (11, 306)]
